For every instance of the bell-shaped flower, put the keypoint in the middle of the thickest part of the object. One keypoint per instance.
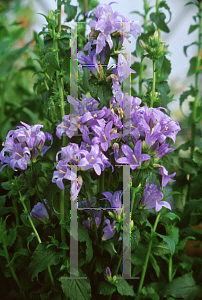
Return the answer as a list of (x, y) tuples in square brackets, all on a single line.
[(63, 172), (114, 200), (69, 126), (109, 230), (165, 177), (152, 198), (134, 158), (89, 222), (39, 212)]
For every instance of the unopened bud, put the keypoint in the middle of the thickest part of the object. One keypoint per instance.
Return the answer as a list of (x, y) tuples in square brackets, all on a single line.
[(156, 34), (154, 147), (34, 154), (108, 272), (40, 144), (161, 48), (142, 44)]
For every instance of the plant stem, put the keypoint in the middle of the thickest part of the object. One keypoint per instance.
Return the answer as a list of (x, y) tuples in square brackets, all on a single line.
[(153, 85), (193, 127), (36, 232), (170, 276), (120, 260), (147, 258), (11, 269)]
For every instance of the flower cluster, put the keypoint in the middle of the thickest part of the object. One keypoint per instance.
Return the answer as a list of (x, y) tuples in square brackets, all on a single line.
[(23, 145)]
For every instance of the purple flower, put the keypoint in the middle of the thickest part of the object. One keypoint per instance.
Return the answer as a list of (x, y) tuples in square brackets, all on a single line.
[(163, 150), (165, 177), (108, 272), (63, 172), (152, 198), (123, 68), (69, 126), (89, 223), (114, 200), (91, 160), (134, 158), (109, 230), (89, 61), (104, 136), (39, 212)]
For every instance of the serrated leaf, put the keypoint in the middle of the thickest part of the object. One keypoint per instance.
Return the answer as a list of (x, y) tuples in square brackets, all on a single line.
[(165, 5), (171, 215), (166, 68), (184, 287), (192, 28), (193, 64), (105, 288), (135, 238), (161, 249), (197, 157), (51, 59), (124, 288), (159, 20), (70, 10), (76, 289), (155, 265), (150, 293), (83, 236), (43, 257), (158, 64), (11, 237), (185, 95)]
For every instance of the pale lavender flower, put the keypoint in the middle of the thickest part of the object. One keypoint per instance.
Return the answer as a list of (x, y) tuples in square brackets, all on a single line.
[(89, 61), (39, 211), (165, 177), (98, 217), (69, 126), (134, 158), (63, 172), (114, 200), (109, 230), (152, 198), (163, 150)]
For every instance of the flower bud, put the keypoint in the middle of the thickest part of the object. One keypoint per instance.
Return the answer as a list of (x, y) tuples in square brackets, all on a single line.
[(156, 34), (40, 144), (34, 154), (108, 272), (154, 147), (142, 44)]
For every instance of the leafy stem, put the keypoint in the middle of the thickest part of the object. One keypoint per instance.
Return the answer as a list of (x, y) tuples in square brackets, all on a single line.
[(153, 85), (170, 271), (193, 127), (147, 257), (36, 232)]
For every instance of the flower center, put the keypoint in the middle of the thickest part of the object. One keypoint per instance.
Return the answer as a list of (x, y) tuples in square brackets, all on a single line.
[(19, 154), (135, 159), (165, 128), (64, 127), (62, 172), (28, 133), (91, 159), (105, 137)]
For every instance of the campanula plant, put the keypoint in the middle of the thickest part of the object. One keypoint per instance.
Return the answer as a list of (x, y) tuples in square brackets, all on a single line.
[(61, 239)]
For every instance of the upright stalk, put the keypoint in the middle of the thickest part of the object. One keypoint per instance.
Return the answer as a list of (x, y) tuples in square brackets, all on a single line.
[(170, 270), (36, 232), (147, 258), (193, 127), (153, 85)]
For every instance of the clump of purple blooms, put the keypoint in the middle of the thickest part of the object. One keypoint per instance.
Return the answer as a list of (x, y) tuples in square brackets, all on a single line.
[(23, 145)]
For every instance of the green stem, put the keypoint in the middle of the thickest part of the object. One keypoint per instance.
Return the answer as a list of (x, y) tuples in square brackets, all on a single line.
[(11, 269), (147, 258), (36, 232), (62, 215), (120, 260), (140, 77), (153, 85), (132, 202), (157, 6), (170, 272), (193, 127), (59, 16)]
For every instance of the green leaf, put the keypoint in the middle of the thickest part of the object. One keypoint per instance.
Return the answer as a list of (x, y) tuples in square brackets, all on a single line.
[(186, 47), (184, 287), (155, 265), (197, 157), (124, 288), (171, 215), (169, 240), (76, 289), (186, 94), (43, 257), (109, 246), (105, 288), (150, 293), (70, 10), (136, 67), (193, 64), (135, 237), (189, 3), (192, 28), (8, 60), (18, 253), (83, 236), (164, 4), (159, 63), (159, 20), (166, 68), (11, 237), (161, 249), (51, 59), (137, 12)]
